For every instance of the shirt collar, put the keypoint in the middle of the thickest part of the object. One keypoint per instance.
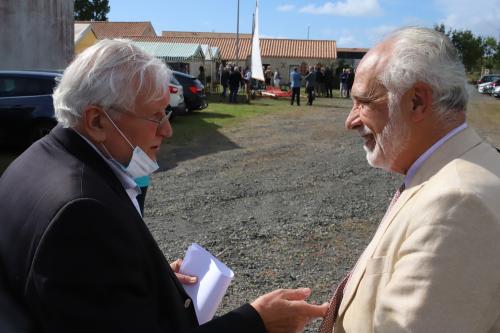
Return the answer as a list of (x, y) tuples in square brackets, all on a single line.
[(420, 161), (127, 182)]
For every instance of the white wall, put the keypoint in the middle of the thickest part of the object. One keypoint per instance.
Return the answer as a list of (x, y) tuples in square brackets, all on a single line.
[(36, 34)]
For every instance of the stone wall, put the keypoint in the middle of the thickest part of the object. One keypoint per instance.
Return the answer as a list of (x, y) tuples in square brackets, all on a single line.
[(36, 34)]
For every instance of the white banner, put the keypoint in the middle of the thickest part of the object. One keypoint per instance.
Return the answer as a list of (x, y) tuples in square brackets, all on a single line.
[(257, 72)]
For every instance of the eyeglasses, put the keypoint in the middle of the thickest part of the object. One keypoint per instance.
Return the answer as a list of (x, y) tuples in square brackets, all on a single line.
[(159, 123)]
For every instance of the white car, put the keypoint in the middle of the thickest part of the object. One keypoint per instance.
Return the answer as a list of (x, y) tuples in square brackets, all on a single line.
[(177, 104), (485, 84), (496, 91)]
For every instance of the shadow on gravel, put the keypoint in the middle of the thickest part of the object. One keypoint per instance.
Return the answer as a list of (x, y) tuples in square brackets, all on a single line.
[(200, 138)]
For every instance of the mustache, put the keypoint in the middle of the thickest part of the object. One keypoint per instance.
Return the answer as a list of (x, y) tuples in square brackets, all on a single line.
[(364, 130)]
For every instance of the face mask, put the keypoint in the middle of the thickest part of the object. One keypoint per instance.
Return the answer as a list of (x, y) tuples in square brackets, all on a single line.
[(140, 164)]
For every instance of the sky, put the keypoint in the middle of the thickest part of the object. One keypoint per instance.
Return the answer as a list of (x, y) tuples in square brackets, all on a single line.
[(352, 23)]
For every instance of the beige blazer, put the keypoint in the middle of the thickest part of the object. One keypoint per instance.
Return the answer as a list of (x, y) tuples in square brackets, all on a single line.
[(434, 262)]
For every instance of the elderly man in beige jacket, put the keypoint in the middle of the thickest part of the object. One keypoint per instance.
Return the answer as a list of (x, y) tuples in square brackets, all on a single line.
[(433, 265)]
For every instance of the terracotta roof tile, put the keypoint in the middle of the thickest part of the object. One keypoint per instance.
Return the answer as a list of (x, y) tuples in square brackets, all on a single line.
[(280, 48), (104, 29)]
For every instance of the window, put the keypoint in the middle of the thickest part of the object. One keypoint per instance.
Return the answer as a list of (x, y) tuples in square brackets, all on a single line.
[(12, 86)]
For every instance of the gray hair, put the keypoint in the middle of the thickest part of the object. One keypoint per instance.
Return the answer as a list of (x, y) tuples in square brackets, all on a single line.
[(427, 56), (109, 74)]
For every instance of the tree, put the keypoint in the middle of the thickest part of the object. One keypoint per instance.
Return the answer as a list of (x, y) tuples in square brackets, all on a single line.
[(470, 48), (490, 57), (86, 10)]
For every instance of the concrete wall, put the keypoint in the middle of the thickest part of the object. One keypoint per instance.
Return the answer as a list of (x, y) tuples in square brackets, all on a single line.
[(36, 34)]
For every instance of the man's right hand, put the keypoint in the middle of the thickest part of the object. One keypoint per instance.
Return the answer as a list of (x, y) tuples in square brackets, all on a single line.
[(286, 311)]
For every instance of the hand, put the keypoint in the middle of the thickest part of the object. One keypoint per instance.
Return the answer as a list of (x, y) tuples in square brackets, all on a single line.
[(285, 310), (184, 279)]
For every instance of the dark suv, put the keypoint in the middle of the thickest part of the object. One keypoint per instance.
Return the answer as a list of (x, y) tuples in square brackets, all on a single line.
[(194, 93), (26, 107)]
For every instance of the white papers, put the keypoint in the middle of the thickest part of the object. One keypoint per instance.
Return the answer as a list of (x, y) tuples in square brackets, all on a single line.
[(213, 279)]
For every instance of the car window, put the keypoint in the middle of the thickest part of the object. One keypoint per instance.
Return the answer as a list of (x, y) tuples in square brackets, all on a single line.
[(25, 86), (185, 81)]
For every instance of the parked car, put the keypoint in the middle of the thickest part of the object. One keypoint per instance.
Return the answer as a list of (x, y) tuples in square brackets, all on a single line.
[(491, 86), (496, 90), (176, 104), (26, 107), (194, 93), (483, 82)]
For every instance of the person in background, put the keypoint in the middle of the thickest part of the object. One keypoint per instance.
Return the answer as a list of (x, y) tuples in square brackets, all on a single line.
[(433, 265), (329, 82), (248, 84), (310, 85), (277, 79), (202, 77), (343, 83), (295, 82), (76, 255), (349, 82), (235, 80), (225, 80), (268, 75)]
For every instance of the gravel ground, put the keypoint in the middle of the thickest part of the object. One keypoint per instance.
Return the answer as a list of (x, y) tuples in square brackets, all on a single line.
[(285, 200)]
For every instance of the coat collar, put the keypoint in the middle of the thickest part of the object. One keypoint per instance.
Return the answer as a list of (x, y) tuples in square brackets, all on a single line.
[(450, 150), (81, 150)]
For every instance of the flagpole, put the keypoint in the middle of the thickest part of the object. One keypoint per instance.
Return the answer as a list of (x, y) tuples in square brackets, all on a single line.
[(238, 34)]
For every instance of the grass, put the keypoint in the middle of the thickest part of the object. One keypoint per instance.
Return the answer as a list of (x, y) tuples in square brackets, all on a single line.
[(221, 114)]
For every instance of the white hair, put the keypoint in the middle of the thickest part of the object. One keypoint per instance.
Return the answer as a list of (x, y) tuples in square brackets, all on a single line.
[(427, 56), (109, 74)]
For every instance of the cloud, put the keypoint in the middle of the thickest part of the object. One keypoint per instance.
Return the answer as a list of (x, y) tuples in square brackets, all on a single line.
[(347, 41), (482, 17), (378, 33), (345, 8), (285, 8)]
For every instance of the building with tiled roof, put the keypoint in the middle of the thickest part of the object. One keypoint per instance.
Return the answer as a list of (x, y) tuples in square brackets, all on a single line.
[(280, 48), (269, 47), (105, 29), (280, 54)]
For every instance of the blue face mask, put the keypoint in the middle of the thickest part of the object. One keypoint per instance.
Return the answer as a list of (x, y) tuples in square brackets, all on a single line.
[(140, 164)]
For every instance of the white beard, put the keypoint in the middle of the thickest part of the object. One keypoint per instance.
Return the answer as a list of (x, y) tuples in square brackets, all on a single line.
[(390, 142)]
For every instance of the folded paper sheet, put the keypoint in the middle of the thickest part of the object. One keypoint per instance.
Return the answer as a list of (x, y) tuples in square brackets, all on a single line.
[(213, 279)]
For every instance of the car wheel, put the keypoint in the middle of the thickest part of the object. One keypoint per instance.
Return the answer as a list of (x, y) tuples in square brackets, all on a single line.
[(41, 128)]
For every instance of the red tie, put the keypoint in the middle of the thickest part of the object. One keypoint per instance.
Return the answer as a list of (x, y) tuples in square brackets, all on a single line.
[(331, 315)]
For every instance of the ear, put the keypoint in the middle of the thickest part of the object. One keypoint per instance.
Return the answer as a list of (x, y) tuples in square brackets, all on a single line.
[(94, 124), (421, 101)]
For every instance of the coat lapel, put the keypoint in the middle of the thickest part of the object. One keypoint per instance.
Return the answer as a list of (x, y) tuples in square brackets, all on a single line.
[(359, 268)]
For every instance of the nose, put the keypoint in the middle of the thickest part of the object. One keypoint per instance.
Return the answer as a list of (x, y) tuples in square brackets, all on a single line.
[(165, 130), (353, 120)]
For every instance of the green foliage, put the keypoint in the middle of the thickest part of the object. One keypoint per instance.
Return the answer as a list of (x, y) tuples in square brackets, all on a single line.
[(469, 47), (475, 51), (86, 10)]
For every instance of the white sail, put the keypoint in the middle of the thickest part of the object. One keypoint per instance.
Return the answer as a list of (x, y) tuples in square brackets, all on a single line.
[(257, 72)]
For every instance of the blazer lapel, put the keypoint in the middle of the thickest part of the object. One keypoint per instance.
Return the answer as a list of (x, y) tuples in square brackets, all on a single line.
[(359, 268)]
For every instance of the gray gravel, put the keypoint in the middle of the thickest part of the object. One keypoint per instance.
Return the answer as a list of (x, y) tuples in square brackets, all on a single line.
[(286, 200)]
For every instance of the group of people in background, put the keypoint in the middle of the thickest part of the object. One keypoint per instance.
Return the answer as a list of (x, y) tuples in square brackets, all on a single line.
[(231, 77), (319, 82), (346, 81)]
